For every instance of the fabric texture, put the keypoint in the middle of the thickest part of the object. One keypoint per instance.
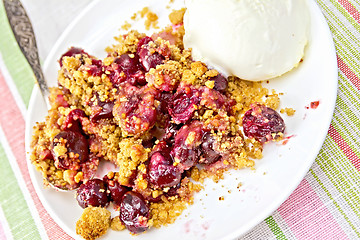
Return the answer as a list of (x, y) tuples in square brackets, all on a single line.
[(326, 204)]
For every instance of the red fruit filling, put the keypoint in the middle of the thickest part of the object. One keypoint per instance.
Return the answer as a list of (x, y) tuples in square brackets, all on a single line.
[(116, 190), (162, 172), (69, 150), (184, 103), (134, 212), (137, 112), (263, 123), (72, 52), (92, 193)]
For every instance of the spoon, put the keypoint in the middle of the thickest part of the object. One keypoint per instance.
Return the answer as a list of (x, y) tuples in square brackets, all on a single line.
[(25, 37)]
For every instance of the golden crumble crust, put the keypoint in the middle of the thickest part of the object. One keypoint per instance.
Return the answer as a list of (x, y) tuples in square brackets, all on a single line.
[(93, 223)]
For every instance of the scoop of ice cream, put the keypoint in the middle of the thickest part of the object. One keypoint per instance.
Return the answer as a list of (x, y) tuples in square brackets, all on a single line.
[(251, 39)]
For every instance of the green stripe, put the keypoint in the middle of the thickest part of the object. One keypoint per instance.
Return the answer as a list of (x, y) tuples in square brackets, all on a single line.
[(342, 116), (350, 92), (12, 201), (275, 229), (346, 41), (339, 171), (347, 132), (333, 201), (15, 62)]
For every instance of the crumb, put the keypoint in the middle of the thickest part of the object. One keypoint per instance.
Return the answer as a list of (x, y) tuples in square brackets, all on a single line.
[(133, 17), (177, 16), (210, 84), (93, 223), (221, 198), (126, 26), (144, 11), (151, 21), (198, 68), (116, 224), (288, 111)]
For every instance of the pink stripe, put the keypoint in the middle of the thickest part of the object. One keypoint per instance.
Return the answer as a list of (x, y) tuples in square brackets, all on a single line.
[(13, 125), (349, 153), (308, 217), (2, 232), (350, 9), (348, 73)]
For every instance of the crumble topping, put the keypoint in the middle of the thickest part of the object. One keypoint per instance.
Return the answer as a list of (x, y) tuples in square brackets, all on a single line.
[(93, 223)]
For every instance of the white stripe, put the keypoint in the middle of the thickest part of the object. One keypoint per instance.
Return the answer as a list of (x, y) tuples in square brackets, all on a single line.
[(15, 167), (5, 226), (261, 231), (13, 89), (284, 227)]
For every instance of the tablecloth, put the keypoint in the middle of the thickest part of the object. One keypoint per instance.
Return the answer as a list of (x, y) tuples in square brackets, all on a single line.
[(326, 204)]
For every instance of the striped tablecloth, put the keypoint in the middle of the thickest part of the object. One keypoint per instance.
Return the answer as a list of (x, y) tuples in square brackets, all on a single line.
[(326, 204)]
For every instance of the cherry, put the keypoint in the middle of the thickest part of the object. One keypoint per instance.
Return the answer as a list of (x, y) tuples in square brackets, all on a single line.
[(73, 120), (220, 83), (137, 77), (126, 68), (136, 113), (211, 98), (71, 53), (165, 100), (117, 191), (170, 132), (128, 63), (209, 155), (105, 111), (148, 59), (186, 151), (188, 157), (134, 212), (92, 193), (143, 41), (162, 173), (96, 68), (77, 149), (263, 123), (184, 104)]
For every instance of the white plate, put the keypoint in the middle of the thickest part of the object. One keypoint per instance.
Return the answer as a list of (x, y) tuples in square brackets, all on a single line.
[(261, 194)]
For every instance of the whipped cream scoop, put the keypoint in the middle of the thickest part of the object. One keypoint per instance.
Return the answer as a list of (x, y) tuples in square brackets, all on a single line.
[(252, 39)]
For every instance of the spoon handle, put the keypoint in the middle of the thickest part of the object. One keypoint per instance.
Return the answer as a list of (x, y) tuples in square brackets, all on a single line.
[(25, 37)]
